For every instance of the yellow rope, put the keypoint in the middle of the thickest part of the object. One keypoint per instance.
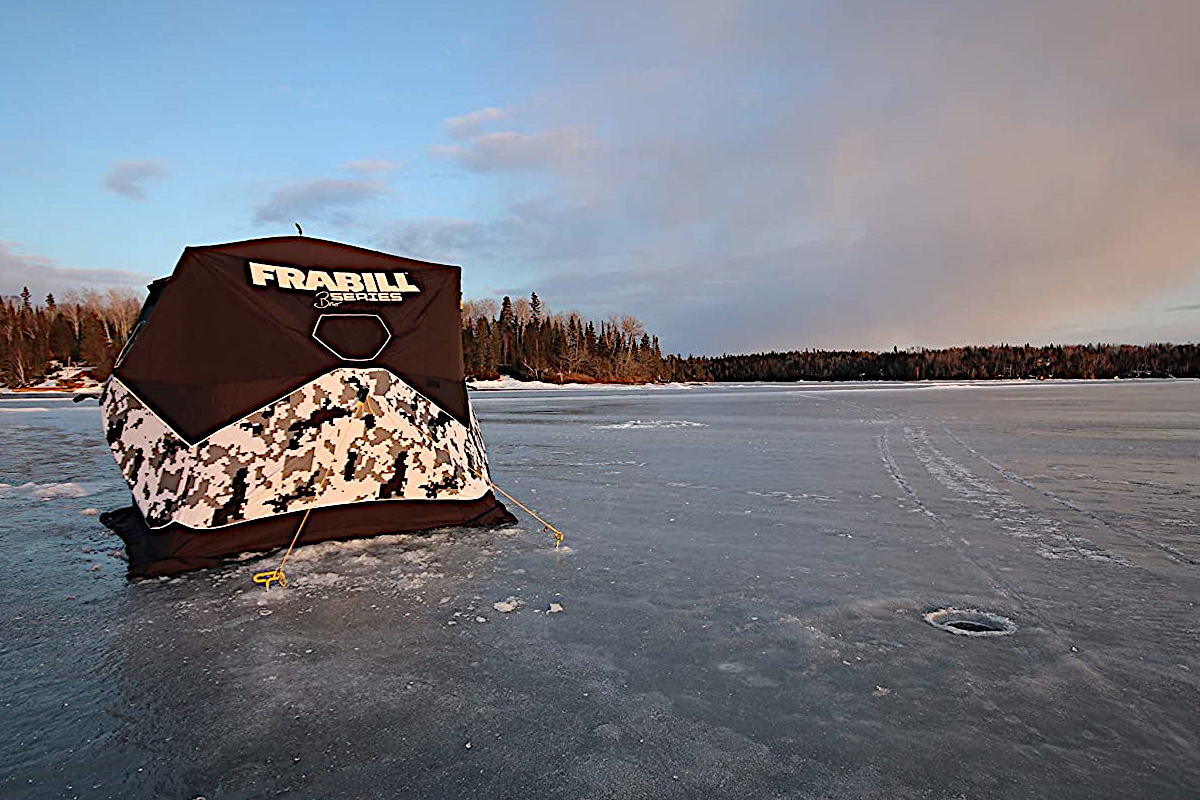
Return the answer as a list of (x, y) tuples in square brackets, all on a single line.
[(558, 535), (277, 575)]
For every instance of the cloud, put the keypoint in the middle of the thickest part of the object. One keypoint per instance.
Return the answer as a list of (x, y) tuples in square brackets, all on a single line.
[(439, 239), (43, 275), (529, 231), (1192, 307), (471, 124), (372, 166), (317, 199), (509, 151), (129, 178), (791, 175)]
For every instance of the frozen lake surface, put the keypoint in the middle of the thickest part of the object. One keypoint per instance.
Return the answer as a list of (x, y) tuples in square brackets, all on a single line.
[(743, 591)]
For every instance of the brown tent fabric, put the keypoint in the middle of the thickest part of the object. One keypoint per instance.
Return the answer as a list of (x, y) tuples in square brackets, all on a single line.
[(239, 326), (216, 346), (175, 549)]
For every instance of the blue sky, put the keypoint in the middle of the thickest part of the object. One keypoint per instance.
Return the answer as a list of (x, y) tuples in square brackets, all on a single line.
[(771, 175), (229, 105)]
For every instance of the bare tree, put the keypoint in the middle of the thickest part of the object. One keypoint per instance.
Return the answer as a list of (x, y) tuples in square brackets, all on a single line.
[(576, 352), (72, 308), (474, 309), (122, 307), (94, 306), (522, 311)]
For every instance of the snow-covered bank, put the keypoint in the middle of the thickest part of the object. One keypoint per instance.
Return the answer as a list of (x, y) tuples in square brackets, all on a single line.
[(506, 384), (75, 379)]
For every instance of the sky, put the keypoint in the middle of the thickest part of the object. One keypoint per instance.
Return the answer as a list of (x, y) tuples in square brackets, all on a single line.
[(740, 176)]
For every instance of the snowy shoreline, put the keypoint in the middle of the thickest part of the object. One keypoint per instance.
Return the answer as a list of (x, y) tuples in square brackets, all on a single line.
[(60, 380), (512, 384), (507, 384)]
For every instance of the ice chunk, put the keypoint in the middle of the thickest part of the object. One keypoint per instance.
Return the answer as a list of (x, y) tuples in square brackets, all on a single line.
[(507, 606)]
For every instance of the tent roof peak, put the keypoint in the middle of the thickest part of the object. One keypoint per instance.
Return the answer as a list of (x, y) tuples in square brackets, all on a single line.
[(319, 243)]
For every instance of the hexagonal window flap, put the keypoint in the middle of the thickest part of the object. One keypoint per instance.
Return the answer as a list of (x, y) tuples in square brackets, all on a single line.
[(352, 337)]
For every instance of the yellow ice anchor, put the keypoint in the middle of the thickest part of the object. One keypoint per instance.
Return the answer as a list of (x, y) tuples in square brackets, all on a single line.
[(369, 403), (271, 576), (277, 575), (558, 535)]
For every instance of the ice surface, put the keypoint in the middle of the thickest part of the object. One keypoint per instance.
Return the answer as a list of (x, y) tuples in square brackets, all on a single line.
[(744, 611)]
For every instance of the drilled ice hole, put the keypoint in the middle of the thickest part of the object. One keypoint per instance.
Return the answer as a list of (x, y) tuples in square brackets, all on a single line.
[(970, 622)]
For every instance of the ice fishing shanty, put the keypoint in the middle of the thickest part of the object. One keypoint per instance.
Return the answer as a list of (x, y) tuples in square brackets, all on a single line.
[(292, 384)]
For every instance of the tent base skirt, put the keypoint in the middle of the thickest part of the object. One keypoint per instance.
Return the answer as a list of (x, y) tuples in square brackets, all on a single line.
[(176, 548)]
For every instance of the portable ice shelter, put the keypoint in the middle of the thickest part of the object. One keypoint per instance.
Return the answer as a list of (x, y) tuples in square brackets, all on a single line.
[(273, 378)]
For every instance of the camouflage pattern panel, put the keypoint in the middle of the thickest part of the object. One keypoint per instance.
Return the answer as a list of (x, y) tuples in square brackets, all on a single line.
[(350, 436)]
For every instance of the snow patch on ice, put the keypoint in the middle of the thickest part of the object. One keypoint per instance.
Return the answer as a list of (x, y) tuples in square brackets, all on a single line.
[(47, 491), (506, 384), (512, 383), (369, 546), (653, 423), (507, 606), (794, 498)]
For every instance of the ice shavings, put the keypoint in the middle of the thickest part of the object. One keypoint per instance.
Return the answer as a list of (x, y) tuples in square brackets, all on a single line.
[(788, 497), (507, 606)]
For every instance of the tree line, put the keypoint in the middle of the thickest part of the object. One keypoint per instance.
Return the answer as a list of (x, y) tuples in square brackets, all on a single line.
[(955, 363), (519, 339), (523, 339), (81, 327)]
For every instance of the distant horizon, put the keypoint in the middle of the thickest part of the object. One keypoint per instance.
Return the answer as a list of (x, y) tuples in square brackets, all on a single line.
[(39, 300)]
